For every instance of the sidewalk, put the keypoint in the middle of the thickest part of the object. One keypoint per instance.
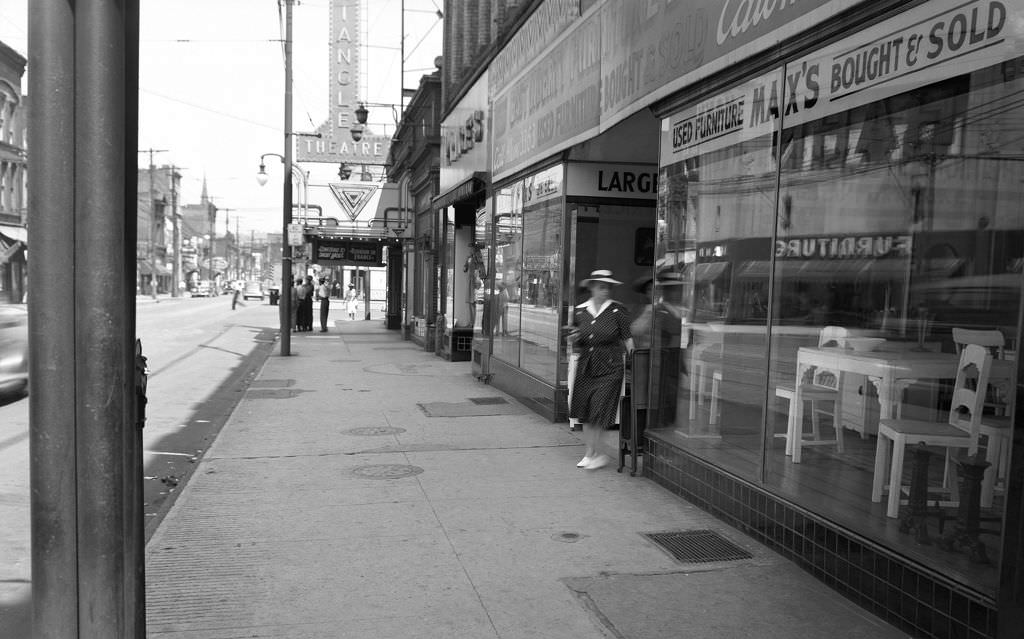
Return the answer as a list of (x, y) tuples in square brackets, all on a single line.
[(333, 505)]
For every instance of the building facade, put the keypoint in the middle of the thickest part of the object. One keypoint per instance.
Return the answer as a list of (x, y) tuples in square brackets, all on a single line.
[(13, 177), (825, 195), (413, 167)]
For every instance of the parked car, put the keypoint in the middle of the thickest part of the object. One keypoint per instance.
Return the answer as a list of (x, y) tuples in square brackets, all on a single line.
[(203, 289), (253, 290), (13, 349)]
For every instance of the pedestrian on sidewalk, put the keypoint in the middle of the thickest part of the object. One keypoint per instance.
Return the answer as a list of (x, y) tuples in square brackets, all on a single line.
[(307, 308), (236, 298), (296, 299), (600, 335), (323, 293), (351, 302)]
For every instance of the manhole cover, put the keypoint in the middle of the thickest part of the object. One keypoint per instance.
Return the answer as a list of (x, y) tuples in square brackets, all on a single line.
[(272, 383), (488, 400), (272, 393), (373, 431), (386, 471), (698, 546)]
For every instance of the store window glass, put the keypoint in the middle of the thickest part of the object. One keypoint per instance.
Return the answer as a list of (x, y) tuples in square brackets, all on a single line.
[(541, 273), (490, 307), (900, 236), (452, 275), (715, 215), (508, 268)]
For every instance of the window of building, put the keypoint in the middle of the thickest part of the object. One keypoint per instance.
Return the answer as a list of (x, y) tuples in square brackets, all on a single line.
[(845, 247)]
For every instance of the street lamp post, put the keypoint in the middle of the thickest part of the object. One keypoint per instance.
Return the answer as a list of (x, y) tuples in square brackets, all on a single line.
[(301, 179)]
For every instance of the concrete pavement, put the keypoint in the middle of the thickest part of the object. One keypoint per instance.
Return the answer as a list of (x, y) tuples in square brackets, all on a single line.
[(344, 498)]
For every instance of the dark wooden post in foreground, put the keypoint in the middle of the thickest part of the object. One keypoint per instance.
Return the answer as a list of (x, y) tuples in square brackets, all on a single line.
[(87, 546)]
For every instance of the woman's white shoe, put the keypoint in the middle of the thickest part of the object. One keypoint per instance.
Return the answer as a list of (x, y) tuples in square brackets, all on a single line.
[(598, 462), (583, 462)]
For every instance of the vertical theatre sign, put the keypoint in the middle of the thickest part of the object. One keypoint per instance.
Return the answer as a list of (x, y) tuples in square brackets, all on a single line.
[(335, 143)]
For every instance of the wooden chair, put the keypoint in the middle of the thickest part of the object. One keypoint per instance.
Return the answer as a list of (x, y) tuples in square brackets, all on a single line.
[(823, 386), (705, 364), (992, 340), (961, 431), (995, 428)]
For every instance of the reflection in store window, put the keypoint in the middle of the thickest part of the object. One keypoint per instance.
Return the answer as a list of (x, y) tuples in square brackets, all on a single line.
[(895, 223)]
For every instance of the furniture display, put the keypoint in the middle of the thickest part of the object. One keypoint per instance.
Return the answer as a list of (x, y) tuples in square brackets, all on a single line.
[(961, 431), (822, 385)]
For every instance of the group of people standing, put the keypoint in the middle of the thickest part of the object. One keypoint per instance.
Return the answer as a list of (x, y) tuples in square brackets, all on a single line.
[(305, 291)]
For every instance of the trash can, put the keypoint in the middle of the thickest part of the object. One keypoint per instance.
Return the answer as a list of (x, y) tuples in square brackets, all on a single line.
[(275, 295)]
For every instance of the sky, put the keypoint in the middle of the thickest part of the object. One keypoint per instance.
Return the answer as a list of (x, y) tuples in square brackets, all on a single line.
[(212, 87)]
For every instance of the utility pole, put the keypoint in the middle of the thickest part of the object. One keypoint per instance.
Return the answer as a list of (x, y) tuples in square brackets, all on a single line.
[(285, 304), (238, 252), (176, 221), (152, 220), (85, 443)]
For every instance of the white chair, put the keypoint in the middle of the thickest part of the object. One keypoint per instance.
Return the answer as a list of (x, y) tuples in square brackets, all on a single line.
[(705, 363), (994, 342), (822, 386), (959, 432), (995, 428)]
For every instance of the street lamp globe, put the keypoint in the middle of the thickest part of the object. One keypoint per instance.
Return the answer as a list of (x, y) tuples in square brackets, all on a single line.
[(356, 130), (261, 176)]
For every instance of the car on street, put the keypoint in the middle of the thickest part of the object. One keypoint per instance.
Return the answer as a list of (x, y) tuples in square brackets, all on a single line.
[(253, 290), (13, 349), (203, 289)]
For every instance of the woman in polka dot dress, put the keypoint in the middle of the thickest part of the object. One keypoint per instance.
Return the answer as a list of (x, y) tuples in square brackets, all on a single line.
[(600, 334)]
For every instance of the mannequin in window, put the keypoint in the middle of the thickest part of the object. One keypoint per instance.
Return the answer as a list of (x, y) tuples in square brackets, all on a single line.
[(475, 275)]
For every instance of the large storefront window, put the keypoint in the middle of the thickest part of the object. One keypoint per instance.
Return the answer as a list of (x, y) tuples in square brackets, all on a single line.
[(490, 308), (830, 236), (508, 265), (715, 216), (528, 266)]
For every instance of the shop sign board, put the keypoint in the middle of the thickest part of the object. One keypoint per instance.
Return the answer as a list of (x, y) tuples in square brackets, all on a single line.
[(464, 137), (553, 104), (543, 185), (348, 252), (844, 247), (622, 181), (932, 41), (334, 143), (652, 49), (542, 28), (295, 235)]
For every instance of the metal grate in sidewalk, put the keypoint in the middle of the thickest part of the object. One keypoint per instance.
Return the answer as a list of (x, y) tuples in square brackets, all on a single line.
[(488, 400), (698, 546)]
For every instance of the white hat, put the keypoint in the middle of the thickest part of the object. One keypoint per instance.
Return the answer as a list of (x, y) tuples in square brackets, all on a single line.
[(600, 276)]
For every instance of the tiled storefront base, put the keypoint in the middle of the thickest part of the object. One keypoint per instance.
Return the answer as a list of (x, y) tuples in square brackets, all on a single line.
[(905, 595)]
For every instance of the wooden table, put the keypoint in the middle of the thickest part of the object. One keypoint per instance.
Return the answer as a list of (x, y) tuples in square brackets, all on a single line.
[(885, 369)]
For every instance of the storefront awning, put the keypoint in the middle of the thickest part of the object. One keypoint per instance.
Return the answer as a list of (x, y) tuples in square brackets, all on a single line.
[(14, 233), (145, 268), (708, 271), (472, 185), (847, 270), (12, 240)]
